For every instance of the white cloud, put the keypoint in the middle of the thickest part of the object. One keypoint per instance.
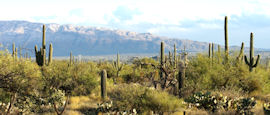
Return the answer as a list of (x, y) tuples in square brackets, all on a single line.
[(153, 11)]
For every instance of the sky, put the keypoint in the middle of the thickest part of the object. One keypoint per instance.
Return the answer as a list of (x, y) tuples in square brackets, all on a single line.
[(200, 20)]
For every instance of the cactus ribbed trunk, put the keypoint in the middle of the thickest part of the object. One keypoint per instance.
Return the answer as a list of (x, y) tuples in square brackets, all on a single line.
[(251, 63), (103, 84), (50, 54), (209, 50), (226, 40)]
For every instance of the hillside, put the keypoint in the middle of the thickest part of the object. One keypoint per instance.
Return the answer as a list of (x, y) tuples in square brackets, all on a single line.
[(87, 40)]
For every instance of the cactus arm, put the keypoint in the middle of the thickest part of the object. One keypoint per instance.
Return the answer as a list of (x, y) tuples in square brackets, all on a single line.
[(257, 61), (246, 60), (36, 49)]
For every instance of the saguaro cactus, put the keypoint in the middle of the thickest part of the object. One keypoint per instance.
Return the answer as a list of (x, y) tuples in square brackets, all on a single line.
[(20, 52), (162, 59), (175, 57), (13, 50), (226, 40), (219, 54), (50, 54), (118, 67), (252, 64), (213, 51), (241, 54), (182, 74), (70, 59), (103, 84), (16, 53), (41, 54), (209, 50)]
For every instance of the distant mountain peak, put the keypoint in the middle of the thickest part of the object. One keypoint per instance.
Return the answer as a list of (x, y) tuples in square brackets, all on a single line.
[(87, 40)]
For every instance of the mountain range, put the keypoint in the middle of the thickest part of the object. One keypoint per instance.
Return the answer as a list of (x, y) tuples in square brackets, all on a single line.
[(86, 40)]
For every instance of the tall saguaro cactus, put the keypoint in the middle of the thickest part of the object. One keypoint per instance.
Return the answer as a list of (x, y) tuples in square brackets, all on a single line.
[(251, 63), (103, 84), (162, 59), (226, 40), (41, 54), (209, 50)]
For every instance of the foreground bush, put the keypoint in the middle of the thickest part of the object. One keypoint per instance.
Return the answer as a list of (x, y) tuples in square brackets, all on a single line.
[(128, 97), (215, 103)]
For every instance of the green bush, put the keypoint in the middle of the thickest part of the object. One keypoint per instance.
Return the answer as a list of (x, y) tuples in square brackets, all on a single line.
[(204, 75), (127, 97), (218, 102)]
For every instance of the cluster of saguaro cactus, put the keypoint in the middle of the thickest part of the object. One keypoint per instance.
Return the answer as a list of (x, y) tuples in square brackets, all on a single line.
[(251, 63), (41, 54), (211, 52), (103, 84), (118, 67)]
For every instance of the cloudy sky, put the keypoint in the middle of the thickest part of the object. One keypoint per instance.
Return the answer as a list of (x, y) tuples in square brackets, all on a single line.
[(200, 20)]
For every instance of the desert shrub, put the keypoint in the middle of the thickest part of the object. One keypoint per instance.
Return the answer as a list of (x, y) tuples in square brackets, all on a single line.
[(244, 105), (86, 76), (203, 74), (218, 102), (78, 79), (19, 80), (128, 97), (208, 102)]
